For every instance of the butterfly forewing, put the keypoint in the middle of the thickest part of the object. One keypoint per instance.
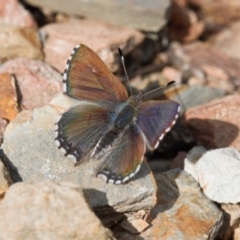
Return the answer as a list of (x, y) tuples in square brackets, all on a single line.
[(124, 160), (86, 77), (155, 119)]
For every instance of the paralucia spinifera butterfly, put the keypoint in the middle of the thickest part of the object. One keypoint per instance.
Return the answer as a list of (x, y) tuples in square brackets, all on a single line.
[(109, 125)]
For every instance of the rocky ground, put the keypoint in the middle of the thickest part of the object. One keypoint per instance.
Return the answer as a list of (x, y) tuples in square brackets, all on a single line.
[(188, 188)]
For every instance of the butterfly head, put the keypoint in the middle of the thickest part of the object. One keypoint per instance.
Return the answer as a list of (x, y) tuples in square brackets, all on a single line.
[(136, 100)]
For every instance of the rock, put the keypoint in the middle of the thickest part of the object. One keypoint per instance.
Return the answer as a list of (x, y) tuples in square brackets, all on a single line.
[(178, 161), (148, 17), (8, 101), (3, 125), (13, 13), (231, 221), (182, 211), (199, 56), (217, 172), (103, 38), (36, 158), (216, 124), (5, 180), (24, 43), (34, 74), (48, 210), (216, 13), (134, 226), (191, 96), (227, 41), (184, 24)]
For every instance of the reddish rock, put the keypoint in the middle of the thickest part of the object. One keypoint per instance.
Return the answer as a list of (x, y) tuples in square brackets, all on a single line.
[(103, 38), (227, 41), (13, 13), (19, 42), (8, 100), (184, 24), (221, 70), (38, 82), (216, 124), (220, 12), (178, 161)]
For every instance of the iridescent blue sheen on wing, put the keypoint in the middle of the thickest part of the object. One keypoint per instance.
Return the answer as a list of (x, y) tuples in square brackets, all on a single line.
[(80, 128), (155, 119)]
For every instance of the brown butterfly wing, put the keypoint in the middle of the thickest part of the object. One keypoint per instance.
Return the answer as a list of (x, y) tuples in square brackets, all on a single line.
[(87, 78)]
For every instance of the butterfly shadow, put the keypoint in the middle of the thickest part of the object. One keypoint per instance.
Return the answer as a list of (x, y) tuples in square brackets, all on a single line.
[(167, 194), (13, 171), (99, 204)]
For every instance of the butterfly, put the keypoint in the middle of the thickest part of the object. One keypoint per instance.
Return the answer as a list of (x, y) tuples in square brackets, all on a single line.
[(108, 124)]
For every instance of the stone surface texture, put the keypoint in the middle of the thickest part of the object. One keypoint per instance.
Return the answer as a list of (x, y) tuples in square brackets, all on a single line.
[(37, 158), (216, 124), (13, 13), (103, 38), (48, 210), (8, 100), (146, 16), (217, 172), (38, 83), (25, 42), (182, 211)]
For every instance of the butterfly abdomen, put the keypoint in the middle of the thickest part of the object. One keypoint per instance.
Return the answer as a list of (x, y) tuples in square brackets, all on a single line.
[(105, 142), (121, 120)]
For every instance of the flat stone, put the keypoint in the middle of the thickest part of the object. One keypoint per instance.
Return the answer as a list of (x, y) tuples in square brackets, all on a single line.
[(182, 211), (49, 210), (192, 96), (216, 124), (34, 74), (24, 42), (5, 180), (36, 158), (103, 38), (13, 13), (147, 16), (134, 226), (8, 100), (217, 172)]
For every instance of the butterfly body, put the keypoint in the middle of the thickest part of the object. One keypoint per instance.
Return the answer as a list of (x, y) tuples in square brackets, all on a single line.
[(109, 125)]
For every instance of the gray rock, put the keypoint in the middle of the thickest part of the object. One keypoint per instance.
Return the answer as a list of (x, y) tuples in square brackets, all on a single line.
[(144, 15), (46, 211), (217, 172), (30, 147)]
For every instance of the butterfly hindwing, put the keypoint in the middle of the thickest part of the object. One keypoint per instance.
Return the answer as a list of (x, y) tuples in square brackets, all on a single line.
[(80, 128), (125, 158), (87, 78), (155, 119)]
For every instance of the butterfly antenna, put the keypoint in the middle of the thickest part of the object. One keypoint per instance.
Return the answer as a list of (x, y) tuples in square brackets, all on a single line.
[(156, 89), (124, 68)]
